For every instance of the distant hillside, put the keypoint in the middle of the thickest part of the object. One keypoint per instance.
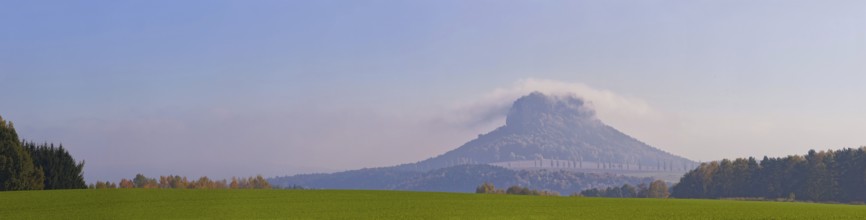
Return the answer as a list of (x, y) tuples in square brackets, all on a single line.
[(461, 178), (564, 129)]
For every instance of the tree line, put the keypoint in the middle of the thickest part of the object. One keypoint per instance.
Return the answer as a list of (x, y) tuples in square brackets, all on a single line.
[(656, 189), (489, 188), (28, 166), (178, 182), (825, 176)]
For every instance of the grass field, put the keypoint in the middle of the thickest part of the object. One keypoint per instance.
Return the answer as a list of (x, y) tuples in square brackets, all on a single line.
[(339, 204)]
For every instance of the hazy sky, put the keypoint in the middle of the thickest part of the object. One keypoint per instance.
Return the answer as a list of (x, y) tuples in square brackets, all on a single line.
[(238, 88)]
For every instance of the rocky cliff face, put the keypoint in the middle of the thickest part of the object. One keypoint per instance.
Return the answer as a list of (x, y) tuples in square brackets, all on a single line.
[(537, 112)]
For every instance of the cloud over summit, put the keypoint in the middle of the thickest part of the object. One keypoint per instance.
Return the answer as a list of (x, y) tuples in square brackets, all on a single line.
[(493, 106)]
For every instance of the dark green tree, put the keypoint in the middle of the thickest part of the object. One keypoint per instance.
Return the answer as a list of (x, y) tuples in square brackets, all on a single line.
[(824, 176), (61, 170), (139, 180), (17, 171), (628, 191)]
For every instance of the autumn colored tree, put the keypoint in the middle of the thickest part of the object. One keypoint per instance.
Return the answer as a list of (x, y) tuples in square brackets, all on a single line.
[(262, 183), (234, 184), (126, 184), (179, 182), (658, 189), (100, 185), (164, 183), (104, 185), (486, 188)]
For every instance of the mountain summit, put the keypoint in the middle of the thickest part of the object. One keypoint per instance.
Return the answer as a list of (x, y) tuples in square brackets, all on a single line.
[(537, 110), (563, 129)]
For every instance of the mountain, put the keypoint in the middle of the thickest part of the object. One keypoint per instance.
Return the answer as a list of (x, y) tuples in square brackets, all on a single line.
[(540, 129), (460, 178), (547, 142)]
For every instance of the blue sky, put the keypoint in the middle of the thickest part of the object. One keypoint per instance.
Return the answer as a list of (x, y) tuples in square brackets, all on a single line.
[(223, 88)]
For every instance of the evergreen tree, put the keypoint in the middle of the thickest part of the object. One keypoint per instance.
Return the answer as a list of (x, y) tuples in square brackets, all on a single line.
[(61, 170), (17, 171)]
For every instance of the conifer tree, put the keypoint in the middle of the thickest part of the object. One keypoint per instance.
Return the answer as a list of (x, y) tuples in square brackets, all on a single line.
[(60, 169), (17, 171)]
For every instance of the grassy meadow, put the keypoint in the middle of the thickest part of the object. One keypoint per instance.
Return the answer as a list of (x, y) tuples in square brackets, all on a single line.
[(351, 204)]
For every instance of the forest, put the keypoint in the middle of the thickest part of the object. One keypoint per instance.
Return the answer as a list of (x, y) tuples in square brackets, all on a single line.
[(820, 176), (28, 166)]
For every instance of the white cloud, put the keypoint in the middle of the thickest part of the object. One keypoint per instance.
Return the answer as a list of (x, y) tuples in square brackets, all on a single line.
[(632, 115), (605, 102)]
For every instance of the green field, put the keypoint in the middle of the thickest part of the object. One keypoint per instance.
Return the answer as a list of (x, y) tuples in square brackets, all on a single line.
[(339, 204)]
